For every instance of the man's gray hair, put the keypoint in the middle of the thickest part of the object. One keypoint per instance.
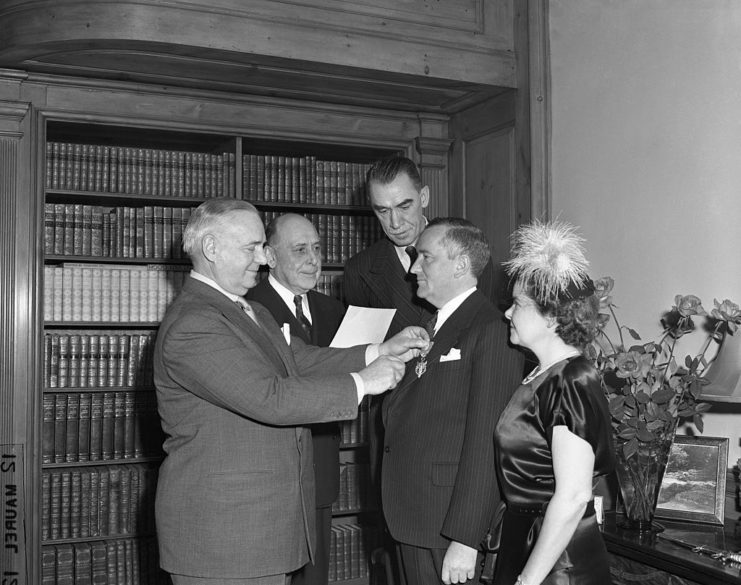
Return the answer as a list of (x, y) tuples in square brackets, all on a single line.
[(208, 215)]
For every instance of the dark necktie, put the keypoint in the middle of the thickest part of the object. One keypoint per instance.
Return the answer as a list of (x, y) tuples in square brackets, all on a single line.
[(430, 325), (305, 325), (412, 253)]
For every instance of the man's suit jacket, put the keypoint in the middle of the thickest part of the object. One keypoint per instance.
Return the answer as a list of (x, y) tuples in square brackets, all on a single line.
[(438, 477), (235, 496), (326, 316), (376, 278)]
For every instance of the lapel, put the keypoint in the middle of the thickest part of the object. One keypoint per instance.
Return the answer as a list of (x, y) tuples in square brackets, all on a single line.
[(233, 313), (265, 294), (316, 319), (450, 335)]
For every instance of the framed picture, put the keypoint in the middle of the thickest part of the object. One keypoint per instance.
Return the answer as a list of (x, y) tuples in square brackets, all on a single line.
[(694, 484)]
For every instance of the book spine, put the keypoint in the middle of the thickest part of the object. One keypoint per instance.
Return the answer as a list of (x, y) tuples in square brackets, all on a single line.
[(128, 426), (45, 506), (47, 429), (107, 427), (96, 426), (65, 564), (66, 503), (85, 502), (118, 425), (94, 501), (84, 427), (60, 427), (55, 505), (75, 503), (72, 445)]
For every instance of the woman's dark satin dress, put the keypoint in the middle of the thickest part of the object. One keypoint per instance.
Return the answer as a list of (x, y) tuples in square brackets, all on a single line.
[(568, 393)]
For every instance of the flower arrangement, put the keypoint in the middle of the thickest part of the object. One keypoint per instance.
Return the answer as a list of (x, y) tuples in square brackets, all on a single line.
[(647, 390)]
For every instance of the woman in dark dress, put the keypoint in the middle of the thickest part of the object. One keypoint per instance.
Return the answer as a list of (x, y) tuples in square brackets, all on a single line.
[(554, 438)]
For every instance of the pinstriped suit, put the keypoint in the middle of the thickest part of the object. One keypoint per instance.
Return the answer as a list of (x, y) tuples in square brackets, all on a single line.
[(236, 489), (438, 478)]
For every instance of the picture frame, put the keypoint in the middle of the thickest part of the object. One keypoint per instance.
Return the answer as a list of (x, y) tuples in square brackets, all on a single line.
[(694, 483)]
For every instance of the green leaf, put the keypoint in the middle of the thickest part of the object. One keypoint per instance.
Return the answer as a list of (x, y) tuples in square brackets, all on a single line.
[(630, 448), (633, 333), (627, 434), (645, 435), (663, 395), (697, 419), (655, 425)]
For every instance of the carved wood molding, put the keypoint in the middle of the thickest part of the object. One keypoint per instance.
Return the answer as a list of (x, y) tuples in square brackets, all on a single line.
[(11, 115), (8, 170), (461, 40)]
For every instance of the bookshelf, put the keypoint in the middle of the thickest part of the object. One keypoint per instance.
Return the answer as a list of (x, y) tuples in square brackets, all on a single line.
[(116, 200)]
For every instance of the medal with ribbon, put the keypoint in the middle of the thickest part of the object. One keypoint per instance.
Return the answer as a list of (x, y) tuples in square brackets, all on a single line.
[(421, 366)]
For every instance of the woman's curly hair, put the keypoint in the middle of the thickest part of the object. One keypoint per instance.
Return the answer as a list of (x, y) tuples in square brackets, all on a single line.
[(577, 319)]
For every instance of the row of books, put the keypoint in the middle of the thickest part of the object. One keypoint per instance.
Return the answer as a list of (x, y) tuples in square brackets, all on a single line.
[(350, 546), (303, 179), (93, 360), (156, 231), (139, 171), (76, 292), (102, 426), (331, 285), (151, 231), (97, 501), (340, 236), (355, 488), (122, 561)]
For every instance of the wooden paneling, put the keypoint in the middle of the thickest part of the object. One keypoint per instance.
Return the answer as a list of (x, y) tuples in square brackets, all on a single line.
[(437, 55), (484, 170)]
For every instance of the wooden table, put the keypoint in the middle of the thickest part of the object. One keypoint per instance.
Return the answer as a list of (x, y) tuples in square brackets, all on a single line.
[(650, 560)]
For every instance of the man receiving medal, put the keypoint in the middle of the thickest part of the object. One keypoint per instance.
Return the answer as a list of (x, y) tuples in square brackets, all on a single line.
[(439, 490)]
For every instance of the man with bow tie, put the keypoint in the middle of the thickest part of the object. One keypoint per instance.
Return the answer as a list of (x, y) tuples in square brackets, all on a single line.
[(439, 488), (294, 257), (235, 496)]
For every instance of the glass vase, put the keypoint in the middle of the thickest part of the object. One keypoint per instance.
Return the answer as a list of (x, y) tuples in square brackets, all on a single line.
[(639, 477)]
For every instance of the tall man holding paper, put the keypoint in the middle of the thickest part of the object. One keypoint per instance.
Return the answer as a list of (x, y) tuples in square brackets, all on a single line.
[(294, 257)]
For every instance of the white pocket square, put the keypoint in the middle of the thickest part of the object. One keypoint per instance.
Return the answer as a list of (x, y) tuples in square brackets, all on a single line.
[(453, 355)]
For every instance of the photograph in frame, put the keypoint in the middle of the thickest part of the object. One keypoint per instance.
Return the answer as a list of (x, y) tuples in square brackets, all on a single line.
[(694, 484)]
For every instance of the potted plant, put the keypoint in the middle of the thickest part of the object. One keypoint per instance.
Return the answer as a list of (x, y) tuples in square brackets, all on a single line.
[(649, 392)]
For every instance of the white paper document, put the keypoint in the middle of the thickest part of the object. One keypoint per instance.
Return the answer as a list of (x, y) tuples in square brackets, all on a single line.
[(362, 325)]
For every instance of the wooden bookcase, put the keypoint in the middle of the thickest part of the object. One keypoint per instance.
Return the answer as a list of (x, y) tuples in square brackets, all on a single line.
[(116, 199)]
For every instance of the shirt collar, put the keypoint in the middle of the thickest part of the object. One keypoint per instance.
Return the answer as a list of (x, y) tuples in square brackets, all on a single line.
[(287, 297), (212, 283), (401, 251), (450, 307)]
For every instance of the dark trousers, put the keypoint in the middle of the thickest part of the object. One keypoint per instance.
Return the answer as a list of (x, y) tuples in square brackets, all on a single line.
[(424, 566), (317, 573)]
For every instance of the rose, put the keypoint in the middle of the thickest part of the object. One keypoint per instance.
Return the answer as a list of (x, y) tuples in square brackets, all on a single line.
[(603, 288), (726, 311), (628, 364), (688, 305)]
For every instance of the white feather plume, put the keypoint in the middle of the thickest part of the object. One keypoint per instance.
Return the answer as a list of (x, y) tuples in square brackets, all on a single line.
[(549, 256)]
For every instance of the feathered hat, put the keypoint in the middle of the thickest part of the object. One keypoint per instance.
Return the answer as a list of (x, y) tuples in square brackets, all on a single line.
[(549, 258)]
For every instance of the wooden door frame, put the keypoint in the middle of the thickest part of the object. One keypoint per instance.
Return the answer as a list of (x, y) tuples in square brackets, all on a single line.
[(538, 73)]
